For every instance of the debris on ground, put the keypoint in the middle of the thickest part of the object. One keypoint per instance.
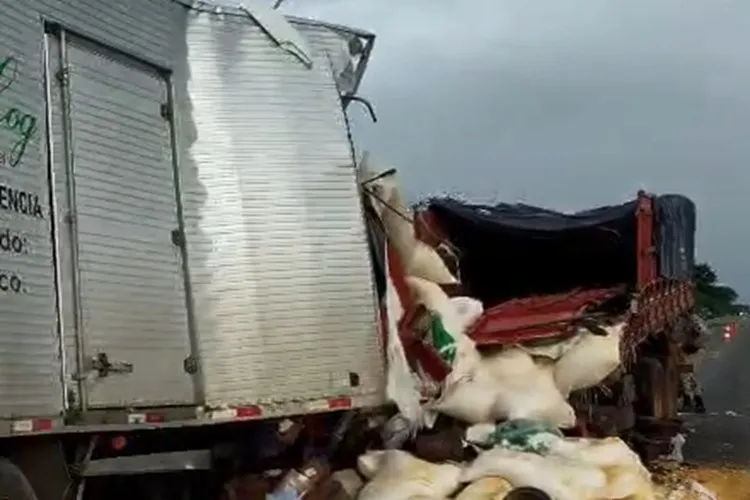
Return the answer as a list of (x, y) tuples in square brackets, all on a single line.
[(701, 482)]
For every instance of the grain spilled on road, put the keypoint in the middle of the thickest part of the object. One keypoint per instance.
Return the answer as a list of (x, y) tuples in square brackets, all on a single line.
[(725, 483)]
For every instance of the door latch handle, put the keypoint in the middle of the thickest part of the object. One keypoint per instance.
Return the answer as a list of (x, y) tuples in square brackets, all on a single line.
[(101, 364)]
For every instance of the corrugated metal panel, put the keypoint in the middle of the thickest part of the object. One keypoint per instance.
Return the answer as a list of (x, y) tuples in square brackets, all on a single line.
[(335, 48), (278, 256), (293, 182), (145, 28), (132, 290), (29, 365)]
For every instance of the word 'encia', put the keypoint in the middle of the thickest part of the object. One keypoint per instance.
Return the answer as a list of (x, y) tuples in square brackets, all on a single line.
[(20, 202)]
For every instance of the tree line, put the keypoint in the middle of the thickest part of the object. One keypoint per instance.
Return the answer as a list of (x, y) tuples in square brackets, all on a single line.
[(712, 298)]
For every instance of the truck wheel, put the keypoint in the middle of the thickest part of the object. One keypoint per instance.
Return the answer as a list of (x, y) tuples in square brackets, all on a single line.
[(652, 381), (527, 493), (13, 483)]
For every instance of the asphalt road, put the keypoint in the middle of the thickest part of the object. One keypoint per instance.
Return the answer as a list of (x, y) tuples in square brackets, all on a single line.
[(722, 435)]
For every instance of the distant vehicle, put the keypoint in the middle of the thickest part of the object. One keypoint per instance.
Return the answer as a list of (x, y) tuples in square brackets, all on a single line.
[(730, 330)]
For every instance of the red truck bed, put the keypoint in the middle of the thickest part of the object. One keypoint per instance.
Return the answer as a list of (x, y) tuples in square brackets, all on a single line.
[(624, 237)]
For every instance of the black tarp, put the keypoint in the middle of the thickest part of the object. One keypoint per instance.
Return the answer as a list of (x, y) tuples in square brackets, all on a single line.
[(675, 236), (517, 250)]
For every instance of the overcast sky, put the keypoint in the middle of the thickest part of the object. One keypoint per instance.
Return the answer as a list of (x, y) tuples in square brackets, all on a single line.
[(565, 103)]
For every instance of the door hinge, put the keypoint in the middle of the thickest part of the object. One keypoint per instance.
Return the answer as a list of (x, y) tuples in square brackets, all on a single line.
[(190, 365), (103, 366), (165, 110), (178, 238), (63, 76)]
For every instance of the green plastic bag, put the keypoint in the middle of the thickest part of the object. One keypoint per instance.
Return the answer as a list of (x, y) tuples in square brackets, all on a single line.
[(441, 339), (525, 435)]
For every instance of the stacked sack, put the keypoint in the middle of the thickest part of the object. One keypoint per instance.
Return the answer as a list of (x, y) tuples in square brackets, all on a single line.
[(516, 454), (519, 382)]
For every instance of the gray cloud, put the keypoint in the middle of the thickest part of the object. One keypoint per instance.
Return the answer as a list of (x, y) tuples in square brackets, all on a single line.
[(565, 104)]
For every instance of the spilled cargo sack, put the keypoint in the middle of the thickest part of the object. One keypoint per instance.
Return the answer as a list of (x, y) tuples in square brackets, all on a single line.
[(552, 350), (559, 478), (590, 360), (400, 476), (453, 322), (595, 469), (468, 309), (480, 434), (426, 263), (488, 488), (506, 385), (604, 453), (350, 481), (417, 258), (402, 387)]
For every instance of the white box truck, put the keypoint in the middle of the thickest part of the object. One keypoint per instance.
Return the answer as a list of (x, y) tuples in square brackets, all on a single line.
[(182, 245)]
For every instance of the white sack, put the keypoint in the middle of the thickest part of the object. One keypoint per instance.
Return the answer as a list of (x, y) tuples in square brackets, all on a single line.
[(606, 452), (404, 477), (624, 474), (436, 300), (559, 478), (349, 480), (402, 387), (368, 464), (488, 488), (551, 350), (480, 434), (468, 309), (385, 197), (426, 263), (470, 400), (589, 361), (506, 385), (417, 258), (527, 389)]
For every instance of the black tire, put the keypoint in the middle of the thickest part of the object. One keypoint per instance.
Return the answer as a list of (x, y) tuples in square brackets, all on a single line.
[(527, 493), (652, 388), (13, 483)]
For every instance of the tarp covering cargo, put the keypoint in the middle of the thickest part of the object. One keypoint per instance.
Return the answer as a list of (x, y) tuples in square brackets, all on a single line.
[(517, 250)]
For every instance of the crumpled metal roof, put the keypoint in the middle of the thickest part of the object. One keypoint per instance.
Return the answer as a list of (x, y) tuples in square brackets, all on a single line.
[(355, 44)]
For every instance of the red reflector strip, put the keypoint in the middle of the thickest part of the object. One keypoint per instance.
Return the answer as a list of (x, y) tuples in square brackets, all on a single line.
[(42, 425), (248, 412), (34, 425), (145, 418), (339, 403)]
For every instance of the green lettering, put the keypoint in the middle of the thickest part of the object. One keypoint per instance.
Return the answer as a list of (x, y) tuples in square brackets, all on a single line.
[(20, 124), (8, 72)]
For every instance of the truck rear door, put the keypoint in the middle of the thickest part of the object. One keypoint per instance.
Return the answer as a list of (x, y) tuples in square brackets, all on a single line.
[(125, 316)]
